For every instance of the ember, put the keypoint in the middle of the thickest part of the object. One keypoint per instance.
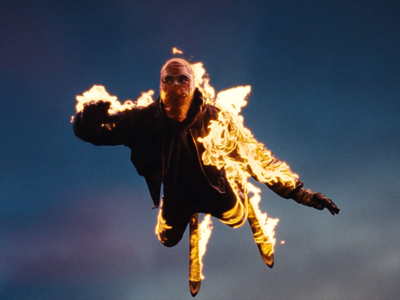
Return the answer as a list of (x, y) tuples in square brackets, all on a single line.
[(176, 51)]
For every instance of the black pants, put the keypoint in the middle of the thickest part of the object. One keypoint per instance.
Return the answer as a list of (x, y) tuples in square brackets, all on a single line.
[(180, 202)]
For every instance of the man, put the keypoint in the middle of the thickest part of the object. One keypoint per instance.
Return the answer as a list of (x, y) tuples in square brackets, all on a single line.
[(163, 138)]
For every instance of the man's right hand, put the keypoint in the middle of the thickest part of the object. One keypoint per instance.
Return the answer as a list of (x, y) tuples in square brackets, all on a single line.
[(96, 113)]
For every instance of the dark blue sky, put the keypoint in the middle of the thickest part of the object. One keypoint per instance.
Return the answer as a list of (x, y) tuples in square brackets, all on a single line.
[(75, 220)]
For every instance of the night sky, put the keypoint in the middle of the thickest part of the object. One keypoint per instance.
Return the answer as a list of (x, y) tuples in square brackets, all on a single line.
[(76, 220)]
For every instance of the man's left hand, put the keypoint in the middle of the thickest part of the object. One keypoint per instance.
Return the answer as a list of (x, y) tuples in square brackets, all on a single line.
[(320, 201), (317, 200)]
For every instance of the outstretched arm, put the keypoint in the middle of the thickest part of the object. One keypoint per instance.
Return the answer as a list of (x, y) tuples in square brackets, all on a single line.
[(230, 144), (304, 196), (277, 175)]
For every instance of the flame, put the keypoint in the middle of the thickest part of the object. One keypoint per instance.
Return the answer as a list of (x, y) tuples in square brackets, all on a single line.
[(231, 145), (202, 82), (161, 223), (194, 255), (176, 51), (199, 237), (267, 224), (98, 92), (205, 229)]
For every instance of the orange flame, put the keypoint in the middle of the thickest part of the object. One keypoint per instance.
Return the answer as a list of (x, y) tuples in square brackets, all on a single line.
[(199, 236), (231, 145), (202, 82), (205, 229), (98, 92), (176, 51), (161, 225), (267, 224)]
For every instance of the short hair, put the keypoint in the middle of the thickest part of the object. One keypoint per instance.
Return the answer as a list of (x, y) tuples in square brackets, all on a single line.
[(178, 61)]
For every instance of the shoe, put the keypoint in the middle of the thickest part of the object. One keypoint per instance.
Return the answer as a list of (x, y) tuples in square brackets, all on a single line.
[(194, 287), (267, 258)]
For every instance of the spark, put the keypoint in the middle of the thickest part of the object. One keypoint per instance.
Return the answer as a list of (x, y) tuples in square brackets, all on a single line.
[(176, 51)]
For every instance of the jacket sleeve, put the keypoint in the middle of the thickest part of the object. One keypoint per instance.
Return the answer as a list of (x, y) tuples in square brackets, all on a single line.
[(280, 179), (117, 132), (275, 173)]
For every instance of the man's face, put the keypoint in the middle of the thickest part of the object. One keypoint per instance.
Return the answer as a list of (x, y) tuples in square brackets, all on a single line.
[(177, 84)]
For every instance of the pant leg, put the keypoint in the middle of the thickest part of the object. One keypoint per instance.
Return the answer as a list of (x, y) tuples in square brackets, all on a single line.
[(173, 217), (236, 215)]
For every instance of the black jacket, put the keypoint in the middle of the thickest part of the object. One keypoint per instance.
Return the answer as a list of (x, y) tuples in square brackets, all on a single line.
[(146, 132)]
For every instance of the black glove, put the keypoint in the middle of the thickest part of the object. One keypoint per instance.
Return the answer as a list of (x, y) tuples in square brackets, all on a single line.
[(96, 113), (317, 200)]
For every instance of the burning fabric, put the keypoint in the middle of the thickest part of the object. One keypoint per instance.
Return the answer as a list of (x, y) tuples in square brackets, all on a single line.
[(196, 147)]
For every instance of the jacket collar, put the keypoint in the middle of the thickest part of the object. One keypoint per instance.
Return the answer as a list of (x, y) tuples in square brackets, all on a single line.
[(196, 110)]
